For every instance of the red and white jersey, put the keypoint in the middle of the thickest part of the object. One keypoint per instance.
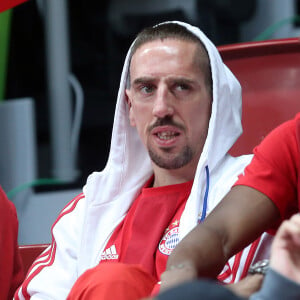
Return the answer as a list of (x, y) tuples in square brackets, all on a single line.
[(61, 261)]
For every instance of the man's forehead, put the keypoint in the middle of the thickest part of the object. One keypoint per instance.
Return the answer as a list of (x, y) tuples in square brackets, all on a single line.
[(170, 47), (158, 51), (161, 46), (167, 44), (155, 49)]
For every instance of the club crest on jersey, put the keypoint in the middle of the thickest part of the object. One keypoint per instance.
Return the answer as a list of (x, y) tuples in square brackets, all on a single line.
[(169, 241)]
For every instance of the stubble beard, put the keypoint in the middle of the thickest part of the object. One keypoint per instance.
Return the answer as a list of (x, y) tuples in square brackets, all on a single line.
[(170, 161)]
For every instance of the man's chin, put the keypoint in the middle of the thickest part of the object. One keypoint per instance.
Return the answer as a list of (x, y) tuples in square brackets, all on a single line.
[(169, 163), (170, 158)]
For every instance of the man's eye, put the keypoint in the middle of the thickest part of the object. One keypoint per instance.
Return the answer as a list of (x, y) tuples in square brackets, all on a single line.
[(182, 87), (146, 89)]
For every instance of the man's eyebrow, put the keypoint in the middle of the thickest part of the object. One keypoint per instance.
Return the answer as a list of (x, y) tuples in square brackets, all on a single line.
[(140, 80), (182, 80)]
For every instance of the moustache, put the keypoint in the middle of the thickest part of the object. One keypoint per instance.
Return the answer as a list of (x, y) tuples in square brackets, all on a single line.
[(165, 121)]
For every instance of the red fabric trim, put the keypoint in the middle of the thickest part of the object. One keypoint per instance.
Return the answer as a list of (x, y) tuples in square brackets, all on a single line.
[(236, 265), (232, 271), (237, 261), (38, 270), (225, 274), (8, 4), (50, 254), (250, 257)]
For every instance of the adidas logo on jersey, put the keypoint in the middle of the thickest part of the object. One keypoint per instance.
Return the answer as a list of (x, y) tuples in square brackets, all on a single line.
[(110, 253)]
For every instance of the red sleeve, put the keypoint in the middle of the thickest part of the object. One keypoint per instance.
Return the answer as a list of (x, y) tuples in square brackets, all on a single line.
[(273, 170), (11, 275)]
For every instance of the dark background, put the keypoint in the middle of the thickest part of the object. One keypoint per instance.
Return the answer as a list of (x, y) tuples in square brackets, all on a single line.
[(97, 54)]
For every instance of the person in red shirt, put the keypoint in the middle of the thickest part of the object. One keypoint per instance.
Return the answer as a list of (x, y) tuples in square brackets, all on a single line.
[(267, 193), (11, 274), (178, 113)]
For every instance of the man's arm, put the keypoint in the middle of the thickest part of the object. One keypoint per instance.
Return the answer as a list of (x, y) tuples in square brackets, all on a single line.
[(54, 272), (282, 281), (238, 220)]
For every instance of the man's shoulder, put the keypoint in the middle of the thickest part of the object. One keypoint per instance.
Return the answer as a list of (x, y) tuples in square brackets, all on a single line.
[(76, 204), (224, 177), (233, 166)]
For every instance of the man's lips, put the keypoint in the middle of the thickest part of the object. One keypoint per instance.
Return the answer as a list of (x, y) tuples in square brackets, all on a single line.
[(165, 135)]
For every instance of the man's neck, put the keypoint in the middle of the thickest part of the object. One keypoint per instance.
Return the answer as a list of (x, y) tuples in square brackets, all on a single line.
[(163, 177)]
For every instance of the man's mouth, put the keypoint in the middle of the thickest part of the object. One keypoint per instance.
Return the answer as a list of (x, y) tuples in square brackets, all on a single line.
[(166, 135)]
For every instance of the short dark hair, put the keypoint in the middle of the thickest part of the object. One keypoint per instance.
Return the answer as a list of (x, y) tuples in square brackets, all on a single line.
[(174, 31)]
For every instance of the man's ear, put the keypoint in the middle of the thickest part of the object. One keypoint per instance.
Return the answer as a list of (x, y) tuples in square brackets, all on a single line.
[(127, 97), (129, 102)]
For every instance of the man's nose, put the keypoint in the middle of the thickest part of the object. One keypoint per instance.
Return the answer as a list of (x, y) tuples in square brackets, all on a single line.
[(163, 105)]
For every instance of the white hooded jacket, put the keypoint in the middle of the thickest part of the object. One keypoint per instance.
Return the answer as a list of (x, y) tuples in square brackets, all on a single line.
[(83, 228)]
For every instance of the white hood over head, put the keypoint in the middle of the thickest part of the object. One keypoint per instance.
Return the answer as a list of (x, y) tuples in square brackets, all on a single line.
[(128, 166)]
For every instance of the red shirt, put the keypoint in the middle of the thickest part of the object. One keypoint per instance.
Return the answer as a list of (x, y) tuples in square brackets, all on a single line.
[(275, 168), (11, 270), (149, 232)]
